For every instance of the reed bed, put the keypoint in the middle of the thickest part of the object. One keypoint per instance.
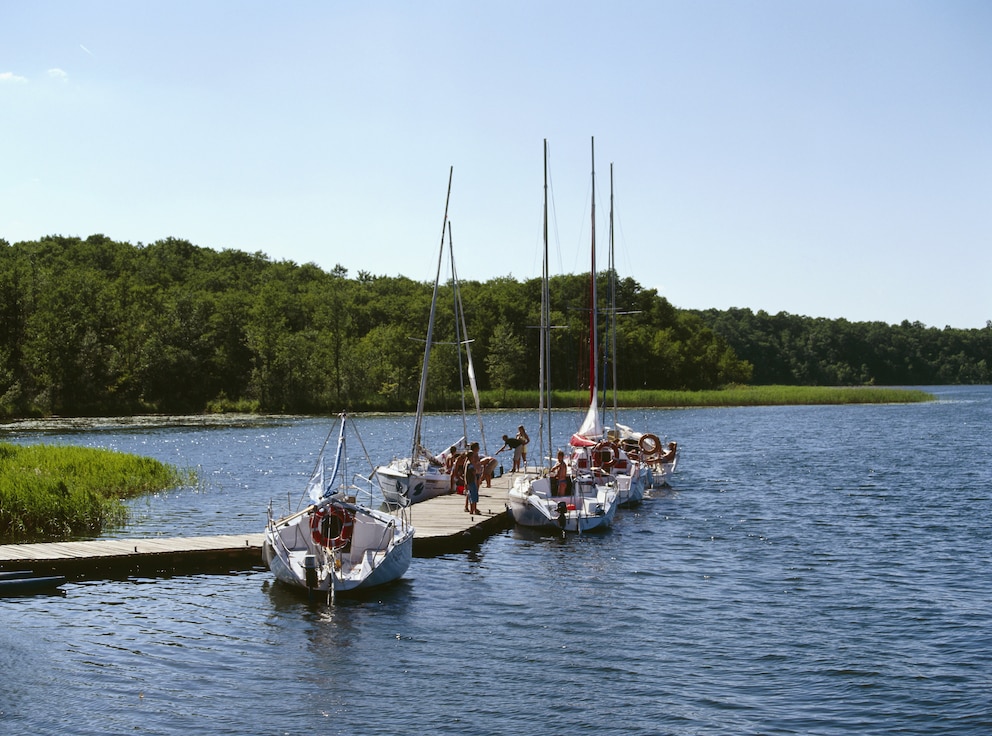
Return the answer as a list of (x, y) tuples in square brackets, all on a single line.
[(731, 396), (50, 492)]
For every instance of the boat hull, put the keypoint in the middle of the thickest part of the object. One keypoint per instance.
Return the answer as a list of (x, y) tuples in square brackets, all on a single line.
[(630, 488), (380, 551), (29, 585), (401, 487), (591, 507), (661, 473)]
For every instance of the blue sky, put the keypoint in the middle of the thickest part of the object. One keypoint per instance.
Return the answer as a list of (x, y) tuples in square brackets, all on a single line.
[(829, 159)]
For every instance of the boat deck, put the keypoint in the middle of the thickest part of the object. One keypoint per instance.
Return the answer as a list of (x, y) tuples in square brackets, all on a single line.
[(441, 523)]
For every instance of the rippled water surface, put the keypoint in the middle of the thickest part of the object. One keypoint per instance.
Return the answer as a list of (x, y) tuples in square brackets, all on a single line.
[(815, 570)]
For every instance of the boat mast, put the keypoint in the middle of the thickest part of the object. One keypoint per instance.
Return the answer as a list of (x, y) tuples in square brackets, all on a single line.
[(593, 344), (613, 305), (430, 331), (458, 329), (461, 338), (544, 382)]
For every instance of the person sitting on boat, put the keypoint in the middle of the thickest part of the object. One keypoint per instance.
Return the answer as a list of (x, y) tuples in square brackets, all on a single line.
[(512, 443), (669, 455), (449, 458), (559, 476)]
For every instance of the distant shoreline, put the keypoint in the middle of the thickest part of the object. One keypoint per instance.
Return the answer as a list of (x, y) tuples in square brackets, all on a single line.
[(528, 401)]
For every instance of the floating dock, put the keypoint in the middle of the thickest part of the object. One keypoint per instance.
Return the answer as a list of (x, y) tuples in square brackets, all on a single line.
[(442, 526)]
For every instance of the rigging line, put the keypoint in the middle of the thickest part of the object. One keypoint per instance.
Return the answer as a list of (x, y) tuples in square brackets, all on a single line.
[(473, 383), (316, 465), (458, 335)]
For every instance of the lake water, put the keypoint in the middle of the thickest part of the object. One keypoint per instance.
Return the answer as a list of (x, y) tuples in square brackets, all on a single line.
[(814, 570)]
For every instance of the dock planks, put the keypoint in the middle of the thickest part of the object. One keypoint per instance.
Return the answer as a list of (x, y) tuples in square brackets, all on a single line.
[(441, 523)]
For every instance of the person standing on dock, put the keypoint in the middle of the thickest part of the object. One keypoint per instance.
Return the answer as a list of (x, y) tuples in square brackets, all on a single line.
[(472, 487), (514, 444), (522, 436), (485, 466)]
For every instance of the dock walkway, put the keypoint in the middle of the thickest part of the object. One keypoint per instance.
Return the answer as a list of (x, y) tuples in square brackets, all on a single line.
[(441, 523)]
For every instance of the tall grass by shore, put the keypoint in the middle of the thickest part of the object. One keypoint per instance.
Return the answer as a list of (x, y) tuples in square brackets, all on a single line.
[(732, 396), (50, 492)]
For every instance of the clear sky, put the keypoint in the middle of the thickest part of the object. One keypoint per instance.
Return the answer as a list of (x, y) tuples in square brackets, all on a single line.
[(830, 159)]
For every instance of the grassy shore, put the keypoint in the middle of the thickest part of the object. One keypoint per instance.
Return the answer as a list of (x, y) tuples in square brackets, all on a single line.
[(50, 492), (733, 396)]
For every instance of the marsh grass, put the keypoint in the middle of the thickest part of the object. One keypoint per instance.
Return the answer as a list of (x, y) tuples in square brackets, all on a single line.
[(50, 492), (731, 396)]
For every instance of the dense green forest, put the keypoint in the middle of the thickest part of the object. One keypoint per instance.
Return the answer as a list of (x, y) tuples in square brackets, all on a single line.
[(96, 326), (788, 349), (93, 326)]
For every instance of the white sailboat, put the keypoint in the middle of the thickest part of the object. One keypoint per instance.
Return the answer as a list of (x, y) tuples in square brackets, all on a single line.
[(594, 450), (338, 542), (584, 501), (422, 474), (640, 454)]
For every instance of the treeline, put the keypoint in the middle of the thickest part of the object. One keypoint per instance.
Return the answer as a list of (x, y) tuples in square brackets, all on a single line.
[(789, 349), (95, 326)]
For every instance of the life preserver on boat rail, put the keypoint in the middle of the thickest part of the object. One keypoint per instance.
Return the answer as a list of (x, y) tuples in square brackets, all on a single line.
[(604, 455), (649, 444), (332, 526)]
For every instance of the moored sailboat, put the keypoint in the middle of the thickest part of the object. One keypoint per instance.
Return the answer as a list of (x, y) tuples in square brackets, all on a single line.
[(594, 450), (423, 475), (338, 543), (641, 452), (582, 501)]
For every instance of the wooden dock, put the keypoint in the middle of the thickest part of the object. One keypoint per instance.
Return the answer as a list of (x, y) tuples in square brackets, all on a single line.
[(443, 526), (441, 523)]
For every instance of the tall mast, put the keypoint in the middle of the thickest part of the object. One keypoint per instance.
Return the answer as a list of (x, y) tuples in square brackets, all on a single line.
[(545, 378), (613, 305), (593, 344), (461, 338), (430, 330), (458, 330)]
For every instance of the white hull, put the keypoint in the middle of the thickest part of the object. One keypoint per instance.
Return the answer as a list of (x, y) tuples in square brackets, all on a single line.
[(402, 486), (590, 506), (630, 488), (629, 476), (379, 552), (661, 473)]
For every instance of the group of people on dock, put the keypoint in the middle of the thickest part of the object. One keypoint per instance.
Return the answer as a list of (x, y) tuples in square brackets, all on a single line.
[(468, 470)]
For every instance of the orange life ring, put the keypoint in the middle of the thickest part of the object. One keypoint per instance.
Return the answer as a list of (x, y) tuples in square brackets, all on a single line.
[(331, 526), (649, 444), (603, 455)]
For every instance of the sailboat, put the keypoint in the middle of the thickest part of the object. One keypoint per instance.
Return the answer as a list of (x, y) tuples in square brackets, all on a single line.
[(583, 501), (338, 543), (597, 446), (644, 456), (422, 474), (594, 449)]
